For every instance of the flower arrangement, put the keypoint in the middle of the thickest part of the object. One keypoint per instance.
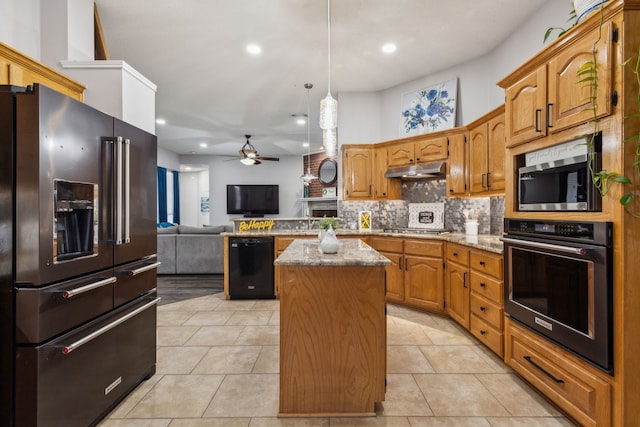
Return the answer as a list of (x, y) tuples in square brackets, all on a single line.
[(431, 108), (326, 221)]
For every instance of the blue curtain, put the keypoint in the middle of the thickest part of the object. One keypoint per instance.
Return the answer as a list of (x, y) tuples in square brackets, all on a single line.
[(176, 197), (162, 194)]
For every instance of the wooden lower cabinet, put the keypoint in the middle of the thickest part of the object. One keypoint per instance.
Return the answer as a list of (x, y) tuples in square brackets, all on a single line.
[(280, 244), (333, 345), (487, 299), (416, 275), (582, 391), (457, 284)]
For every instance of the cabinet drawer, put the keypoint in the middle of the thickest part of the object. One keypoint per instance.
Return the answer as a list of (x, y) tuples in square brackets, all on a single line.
[(457, 253), (487, 311), (488, 287), (423, 248), (487, 263), (486, 333), (576, 389), (386, 244)]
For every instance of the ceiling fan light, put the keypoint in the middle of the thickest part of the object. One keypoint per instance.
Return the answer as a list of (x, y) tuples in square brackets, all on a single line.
[(247, 161)]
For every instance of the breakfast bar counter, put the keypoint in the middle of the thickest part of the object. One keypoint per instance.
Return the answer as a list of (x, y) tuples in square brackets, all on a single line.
[(332, 330)]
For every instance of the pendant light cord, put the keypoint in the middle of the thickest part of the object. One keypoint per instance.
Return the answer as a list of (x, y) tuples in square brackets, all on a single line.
[(329, 46)]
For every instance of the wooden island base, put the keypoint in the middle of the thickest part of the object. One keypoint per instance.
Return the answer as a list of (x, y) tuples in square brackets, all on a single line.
[(332, 340)]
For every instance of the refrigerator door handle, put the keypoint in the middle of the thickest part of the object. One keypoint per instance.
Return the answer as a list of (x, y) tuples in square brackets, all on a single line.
[(141, 270), (119, 190), (82, 341), (86, 288), (127, 190)]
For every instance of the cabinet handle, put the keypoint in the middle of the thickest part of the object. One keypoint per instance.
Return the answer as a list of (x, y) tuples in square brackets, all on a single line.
[(482, 263), (406, 265), (482, 285), (488, 180), (455, 254), (451, 190), (482, 308), (417, 159), (544, 371), (400, 263), (464, 280), (538, 112), (483, 332), (410, 160), (484, 185), (549, 125)]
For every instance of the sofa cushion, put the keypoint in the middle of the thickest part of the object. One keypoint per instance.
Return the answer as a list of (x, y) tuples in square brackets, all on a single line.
[(168, 230), (217, 228), (187, 229)]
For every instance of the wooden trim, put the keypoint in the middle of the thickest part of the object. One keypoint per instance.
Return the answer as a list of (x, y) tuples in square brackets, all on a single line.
[(101, 51)]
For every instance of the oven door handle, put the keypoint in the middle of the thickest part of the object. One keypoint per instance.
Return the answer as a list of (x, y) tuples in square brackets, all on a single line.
[(539, 245)]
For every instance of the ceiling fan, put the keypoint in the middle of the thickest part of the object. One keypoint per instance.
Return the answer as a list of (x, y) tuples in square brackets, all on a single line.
[(249, 155)]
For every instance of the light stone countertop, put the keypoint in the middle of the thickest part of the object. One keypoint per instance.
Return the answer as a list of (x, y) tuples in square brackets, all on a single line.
[(352, 252), (485, 242)]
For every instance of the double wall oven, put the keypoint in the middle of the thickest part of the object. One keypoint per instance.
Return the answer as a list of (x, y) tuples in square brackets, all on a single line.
[(558, 283)]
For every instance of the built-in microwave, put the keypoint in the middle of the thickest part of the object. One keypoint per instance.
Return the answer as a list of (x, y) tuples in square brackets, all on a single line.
[(558, 178)]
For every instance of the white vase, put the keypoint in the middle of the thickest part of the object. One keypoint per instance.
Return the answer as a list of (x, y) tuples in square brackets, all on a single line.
[(321, 234), (330, 243), (584, 7)]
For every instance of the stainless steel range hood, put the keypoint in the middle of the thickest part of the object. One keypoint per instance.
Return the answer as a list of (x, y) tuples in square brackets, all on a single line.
[(435, 170)]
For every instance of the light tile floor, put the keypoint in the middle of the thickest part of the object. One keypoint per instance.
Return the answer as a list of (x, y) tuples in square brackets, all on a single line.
[(218, 366)]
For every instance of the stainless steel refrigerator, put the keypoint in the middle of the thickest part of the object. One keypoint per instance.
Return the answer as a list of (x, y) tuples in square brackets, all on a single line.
[(77, 259)]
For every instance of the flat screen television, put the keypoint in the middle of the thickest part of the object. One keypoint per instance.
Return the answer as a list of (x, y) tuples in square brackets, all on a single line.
[(253, 200)]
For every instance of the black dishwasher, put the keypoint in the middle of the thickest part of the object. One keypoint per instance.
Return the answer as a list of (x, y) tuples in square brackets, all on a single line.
[(251, 267)]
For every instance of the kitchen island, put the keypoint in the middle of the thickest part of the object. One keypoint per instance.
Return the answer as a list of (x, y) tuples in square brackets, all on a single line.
[(332, 330)]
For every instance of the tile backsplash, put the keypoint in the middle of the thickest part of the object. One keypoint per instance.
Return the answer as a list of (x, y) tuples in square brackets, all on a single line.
[(395, 213)]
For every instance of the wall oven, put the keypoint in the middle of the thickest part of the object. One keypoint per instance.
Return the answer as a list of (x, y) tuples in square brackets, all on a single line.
[(558, 283)]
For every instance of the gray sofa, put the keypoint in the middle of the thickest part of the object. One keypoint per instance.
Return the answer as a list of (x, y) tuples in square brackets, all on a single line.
[(191, 250)]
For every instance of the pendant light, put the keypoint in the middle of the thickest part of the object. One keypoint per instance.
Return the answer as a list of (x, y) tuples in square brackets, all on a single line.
[(329, 106), (308, 177)]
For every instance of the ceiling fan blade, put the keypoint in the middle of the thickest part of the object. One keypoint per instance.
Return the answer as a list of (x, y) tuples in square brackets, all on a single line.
[(256, 162), (274, 159)]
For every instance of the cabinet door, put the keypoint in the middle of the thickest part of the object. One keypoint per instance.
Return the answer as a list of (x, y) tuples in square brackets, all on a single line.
[(525, 106), (457, 164), (401, 154), (394, 277), (570, 102), (380, 183), (357, 173), (431, 149), (458, 293), (496, 152), (424, 282), (478, 155)]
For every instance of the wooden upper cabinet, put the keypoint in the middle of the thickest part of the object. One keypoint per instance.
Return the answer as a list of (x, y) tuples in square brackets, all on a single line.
[(401, 154), (356, 172), (430, 149), (486, 153), (418, 149), (457, 164), (497, 150), (552, 97), (383, 188), (570, 101), (524, 105)]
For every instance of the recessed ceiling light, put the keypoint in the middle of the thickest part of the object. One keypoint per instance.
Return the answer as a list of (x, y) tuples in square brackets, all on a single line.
[(254, 49), (305, 144), (161, 121), (389, 48), (301, 121), (203, 144), (187, 168)]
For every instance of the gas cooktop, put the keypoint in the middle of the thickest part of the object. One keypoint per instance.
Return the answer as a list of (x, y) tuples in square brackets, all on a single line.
[(416, 230)]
